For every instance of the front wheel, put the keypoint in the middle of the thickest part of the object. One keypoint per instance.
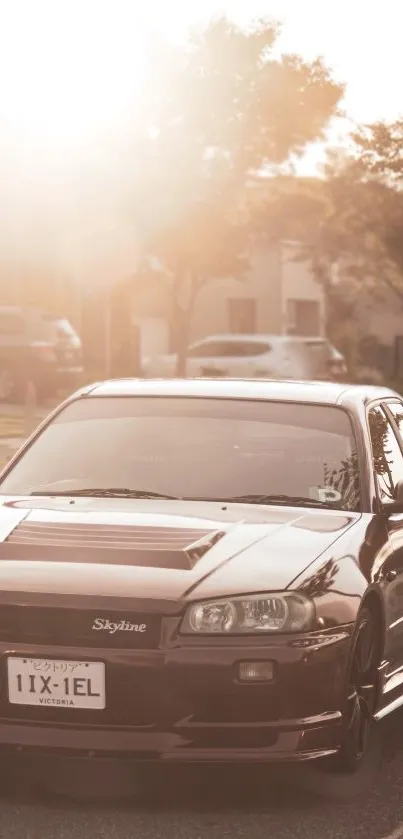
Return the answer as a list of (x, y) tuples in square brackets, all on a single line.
[(360, 701), (355, 767)]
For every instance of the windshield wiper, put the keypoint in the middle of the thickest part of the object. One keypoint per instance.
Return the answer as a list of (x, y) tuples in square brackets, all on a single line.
[(125, 492), (286, 500), (110, 492)]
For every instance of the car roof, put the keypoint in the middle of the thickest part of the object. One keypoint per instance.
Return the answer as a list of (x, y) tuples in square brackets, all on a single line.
[(331, 393)]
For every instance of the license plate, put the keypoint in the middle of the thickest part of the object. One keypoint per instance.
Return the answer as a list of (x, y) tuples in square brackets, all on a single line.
[(55, 683)]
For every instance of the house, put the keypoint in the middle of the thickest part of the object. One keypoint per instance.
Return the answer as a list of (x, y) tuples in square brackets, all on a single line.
[(279, 295)]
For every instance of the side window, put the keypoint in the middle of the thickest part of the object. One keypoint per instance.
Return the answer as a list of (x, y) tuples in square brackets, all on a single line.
[(204, 350), (224, 349), (228, 349), (396, 409), (237, 349), (210, 349), (388, 459), (248, 349)]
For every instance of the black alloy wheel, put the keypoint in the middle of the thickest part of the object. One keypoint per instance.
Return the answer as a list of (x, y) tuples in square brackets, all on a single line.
[(353, 771), (361, 695)]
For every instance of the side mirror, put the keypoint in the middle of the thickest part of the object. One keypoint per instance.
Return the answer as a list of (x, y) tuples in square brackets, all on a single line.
[(395, 506)]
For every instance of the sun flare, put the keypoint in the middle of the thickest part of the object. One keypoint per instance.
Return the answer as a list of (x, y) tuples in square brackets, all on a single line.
[(67, 69)]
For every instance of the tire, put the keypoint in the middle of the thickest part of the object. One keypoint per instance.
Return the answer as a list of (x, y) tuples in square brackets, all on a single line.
[(360, 703), (355, 767), (334, 784)]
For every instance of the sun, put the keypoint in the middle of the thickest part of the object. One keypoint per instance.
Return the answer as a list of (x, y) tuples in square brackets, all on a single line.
[(68, 70)]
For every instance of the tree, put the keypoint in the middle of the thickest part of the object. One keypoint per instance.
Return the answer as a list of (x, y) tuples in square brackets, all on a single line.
[(363, 231), (380, 167), (304, 210), (219, 111), (363, 224), (379, 153), (349, 225)]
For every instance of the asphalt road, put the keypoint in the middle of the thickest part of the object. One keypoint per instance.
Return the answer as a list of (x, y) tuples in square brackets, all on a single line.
[(193, 805)]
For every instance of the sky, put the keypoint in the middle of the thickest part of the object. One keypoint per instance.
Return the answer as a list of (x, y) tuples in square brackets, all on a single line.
[(68, 68), (79, 54), (69, 71)]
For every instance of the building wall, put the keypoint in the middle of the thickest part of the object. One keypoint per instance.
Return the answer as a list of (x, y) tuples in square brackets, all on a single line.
[(273, 279), (262, 284), (299, 284)]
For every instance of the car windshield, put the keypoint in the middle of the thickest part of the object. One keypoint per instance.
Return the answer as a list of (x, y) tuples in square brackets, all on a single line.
[(194, 448)]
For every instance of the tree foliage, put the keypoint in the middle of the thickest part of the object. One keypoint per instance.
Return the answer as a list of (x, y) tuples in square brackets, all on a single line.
[(380, 152), (351, 228), (364, 224), (220, 109)]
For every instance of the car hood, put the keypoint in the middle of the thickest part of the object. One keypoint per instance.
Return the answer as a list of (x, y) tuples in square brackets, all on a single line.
[(157, 549)]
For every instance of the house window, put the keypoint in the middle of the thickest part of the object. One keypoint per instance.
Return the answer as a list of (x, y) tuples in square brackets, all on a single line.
[(303, 317), (242, 315)]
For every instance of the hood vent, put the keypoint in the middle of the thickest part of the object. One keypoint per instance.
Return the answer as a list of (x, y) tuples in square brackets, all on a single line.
[(161, 547)]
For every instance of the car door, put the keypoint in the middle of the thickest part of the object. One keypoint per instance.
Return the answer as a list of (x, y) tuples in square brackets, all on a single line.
[(387, 452), (229, 358), (260, 359), (248, 359), (292, 360), (207, 358)]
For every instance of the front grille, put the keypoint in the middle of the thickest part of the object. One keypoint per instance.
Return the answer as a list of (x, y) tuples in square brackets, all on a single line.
[(252, 707), (73, 627), (132, 693)]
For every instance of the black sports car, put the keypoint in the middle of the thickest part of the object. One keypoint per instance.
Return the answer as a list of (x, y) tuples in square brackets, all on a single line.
[(205, 571)]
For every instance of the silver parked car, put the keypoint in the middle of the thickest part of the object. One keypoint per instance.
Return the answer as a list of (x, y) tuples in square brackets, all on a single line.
[(255, 356)]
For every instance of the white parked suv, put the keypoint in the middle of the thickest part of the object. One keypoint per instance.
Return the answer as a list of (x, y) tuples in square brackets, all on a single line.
[(254, 356)]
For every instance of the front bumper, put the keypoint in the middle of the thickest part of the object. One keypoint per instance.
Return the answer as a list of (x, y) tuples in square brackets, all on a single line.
[(186, 704)]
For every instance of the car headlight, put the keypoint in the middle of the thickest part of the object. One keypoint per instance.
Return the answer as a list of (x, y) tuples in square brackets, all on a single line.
[(257, 614)]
